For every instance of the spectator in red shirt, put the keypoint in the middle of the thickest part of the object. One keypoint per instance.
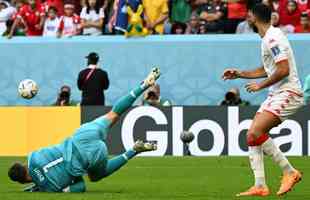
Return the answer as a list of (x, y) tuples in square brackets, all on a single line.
[(32, 15), (303, 5), (291, 14), (58, 4), (304, 26), (70, 23), (236, 13)]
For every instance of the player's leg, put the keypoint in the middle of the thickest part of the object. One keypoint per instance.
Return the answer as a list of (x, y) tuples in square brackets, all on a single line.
[(126, 102), (117, 162), (283, 105), (291, 176), (256, 136)]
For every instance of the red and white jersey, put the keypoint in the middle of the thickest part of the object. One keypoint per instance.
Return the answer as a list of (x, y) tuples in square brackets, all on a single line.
[(32, 17), (51, 27), (276, 48), (70, 25)]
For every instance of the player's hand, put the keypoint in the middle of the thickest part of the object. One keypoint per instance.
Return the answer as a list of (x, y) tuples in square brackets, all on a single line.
[(252, 87), (230, 74)]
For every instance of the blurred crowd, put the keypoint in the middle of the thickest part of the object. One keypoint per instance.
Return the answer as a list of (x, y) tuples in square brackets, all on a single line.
[(66, 18)]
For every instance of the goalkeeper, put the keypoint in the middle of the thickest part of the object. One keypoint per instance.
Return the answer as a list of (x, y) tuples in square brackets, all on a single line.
[(60, 168)]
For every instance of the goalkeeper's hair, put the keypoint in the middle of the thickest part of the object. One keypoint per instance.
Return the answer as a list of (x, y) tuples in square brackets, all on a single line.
[(18, 172)]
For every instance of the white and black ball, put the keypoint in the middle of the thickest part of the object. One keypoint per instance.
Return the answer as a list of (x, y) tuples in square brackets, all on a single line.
[(187, 136), (28, 89)]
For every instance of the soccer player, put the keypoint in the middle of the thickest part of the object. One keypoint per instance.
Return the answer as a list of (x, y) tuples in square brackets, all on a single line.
[(284, 99), (60, 168)]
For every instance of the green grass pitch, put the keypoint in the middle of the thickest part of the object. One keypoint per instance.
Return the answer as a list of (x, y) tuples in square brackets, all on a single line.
[(171, 178)]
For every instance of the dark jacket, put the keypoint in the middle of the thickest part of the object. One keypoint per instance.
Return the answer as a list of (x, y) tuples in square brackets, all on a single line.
[(93, 88)]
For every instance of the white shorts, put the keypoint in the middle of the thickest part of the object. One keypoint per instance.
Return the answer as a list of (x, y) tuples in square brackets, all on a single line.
[(282, 104)]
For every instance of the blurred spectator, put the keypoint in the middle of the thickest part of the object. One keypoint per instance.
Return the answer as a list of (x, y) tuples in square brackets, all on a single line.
[(155, 14), (58, 4), (232, 98), (119, 20), (181, 11), (178, 28), (32, 16), (275, 22), (307, 90), (273, 4), (20, 26), (92, 18), (51, 23), (275, 19), (245, 26), (290, 15), (304, 26), (303, 5), (202, 27), (78, 5), (236, 13), (213, 13), (6, 12), (193, 25), (152, 97), (64, 97), (69, 23), (92, 81)]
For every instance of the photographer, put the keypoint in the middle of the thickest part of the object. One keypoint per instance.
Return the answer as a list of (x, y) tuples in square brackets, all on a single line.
[(63, 98), (232, 98), (152, 97)]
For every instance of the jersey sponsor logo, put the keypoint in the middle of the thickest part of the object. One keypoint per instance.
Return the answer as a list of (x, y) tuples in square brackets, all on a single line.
[(275, 50)]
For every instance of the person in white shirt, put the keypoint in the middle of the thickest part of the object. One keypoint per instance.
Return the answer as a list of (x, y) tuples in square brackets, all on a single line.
[(51, 23), (92, 18), (284, 99), (6, 12), (245, 27)]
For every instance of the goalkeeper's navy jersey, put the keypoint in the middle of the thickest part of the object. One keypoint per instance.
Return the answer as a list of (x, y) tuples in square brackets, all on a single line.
[(48, 171)]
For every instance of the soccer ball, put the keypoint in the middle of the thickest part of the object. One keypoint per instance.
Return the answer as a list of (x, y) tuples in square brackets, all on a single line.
[(187, 136), (28, 89)]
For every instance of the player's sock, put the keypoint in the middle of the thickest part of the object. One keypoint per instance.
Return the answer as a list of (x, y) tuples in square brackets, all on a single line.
[(117, 162), (126, 102), (256, 157), (271, 149)]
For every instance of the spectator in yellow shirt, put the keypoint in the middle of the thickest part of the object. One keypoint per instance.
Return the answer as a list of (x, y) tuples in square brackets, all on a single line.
[(155, 14)]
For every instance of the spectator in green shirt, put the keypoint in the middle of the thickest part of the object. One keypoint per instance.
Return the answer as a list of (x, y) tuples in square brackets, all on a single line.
[(181, 11)]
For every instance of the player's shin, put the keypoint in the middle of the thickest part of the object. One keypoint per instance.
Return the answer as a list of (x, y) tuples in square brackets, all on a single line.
[(271, 149), (256, 157)]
